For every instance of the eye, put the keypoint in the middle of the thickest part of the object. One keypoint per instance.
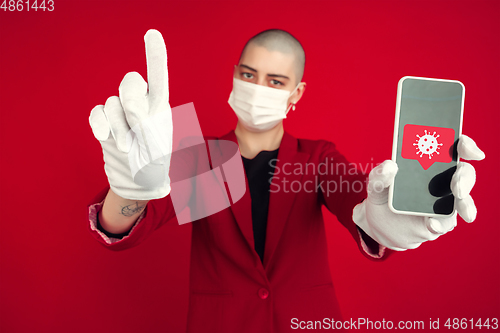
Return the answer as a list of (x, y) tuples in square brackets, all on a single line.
[(247, 75), (276, 83)]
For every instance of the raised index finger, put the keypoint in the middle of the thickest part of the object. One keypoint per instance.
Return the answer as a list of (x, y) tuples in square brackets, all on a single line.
[(156, 57)]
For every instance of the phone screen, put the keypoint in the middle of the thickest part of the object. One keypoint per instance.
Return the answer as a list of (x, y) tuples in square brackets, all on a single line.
[(428, 126)]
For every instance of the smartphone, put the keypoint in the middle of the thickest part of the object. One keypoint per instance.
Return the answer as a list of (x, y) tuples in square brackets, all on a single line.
[(428, 124)]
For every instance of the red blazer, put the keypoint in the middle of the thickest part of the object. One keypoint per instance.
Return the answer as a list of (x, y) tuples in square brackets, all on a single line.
[(230, 289)]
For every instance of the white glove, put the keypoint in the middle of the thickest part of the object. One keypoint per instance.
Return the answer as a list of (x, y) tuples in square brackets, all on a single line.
[(401, 232), (137, 153)]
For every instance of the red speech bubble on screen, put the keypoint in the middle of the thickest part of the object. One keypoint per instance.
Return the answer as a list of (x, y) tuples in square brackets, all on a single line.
[(427, 144)]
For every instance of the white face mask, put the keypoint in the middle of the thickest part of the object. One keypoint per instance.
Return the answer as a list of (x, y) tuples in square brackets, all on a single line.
[(259, 108)]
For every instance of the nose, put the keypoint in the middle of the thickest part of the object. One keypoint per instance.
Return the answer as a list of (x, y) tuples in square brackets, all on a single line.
[(261, 81)]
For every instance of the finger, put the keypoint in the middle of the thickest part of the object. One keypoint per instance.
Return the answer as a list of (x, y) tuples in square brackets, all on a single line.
[(442, 225), (99, 123), (463, 180), (133, 97), (119, 126), (380, 178), (466, 208), (156, 57), (468, 149), (384, 173)]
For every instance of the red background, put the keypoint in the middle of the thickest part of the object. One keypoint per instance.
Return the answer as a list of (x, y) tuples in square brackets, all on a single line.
[(56, 66)]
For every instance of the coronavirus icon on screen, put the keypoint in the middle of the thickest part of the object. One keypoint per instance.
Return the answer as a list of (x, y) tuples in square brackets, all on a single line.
[(427, 144)]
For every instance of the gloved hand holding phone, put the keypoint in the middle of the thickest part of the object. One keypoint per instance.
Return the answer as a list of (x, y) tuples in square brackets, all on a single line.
[(400, 231)]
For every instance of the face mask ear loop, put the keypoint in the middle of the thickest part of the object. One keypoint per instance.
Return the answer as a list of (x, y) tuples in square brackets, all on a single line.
[(292, 105), (294, 90)]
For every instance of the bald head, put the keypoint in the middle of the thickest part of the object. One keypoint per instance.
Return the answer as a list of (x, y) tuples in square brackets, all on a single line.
[(281, 41)]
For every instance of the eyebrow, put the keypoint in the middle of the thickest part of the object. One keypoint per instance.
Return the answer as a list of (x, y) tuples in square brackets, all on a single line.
[(271, 75)]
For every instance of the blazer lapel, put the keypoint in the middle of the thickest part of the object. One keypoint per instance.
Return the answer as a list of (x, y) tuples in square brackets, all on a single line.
[(242, 209), (281, 199)]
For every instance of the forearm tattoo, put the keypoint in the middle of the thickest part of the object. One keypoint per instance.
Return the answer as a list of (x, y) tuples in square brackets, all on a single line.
[(132, 209)]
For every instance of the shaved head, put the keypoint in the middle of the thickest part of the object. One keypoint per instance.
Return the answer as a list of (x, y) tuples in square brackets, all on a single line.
[(281, 41)]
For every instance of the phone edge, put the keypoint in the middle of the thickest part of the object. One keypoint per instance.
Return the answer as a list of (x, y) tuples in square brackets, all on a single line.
[(395, 141)]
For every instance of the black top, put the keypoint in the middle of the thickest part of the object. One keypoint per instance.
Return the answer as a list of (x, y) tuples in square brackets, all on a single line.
[(259, 171)]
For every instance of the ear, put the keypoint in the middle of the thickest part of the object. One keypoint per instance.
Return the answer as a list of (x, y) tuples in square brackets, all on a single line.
[(295, 98)]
